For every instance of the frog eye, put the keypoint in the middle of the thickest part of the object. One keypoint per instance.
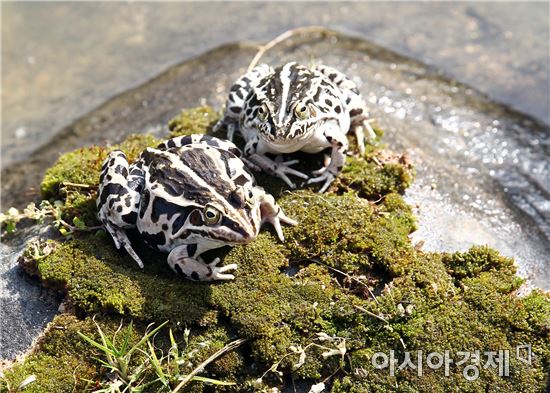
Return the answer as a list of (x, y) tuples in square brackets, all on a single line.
[(301, 111), (212, 216), (249, 196), (263, 112)]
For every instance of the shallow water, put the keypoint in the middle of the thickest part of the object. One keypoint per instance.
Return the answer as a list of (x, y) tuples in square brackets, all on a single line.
[(482, 168), (62, 59)]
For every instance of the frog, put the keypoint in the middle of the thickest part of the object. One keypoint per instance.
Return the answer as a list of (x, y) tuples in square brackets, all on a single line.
[(188, 195), (296, 108)]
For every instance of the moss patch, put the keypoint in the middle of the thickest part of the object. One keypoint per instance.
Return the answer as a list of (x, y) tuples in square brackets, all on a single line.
[(199, 120), (378, 173), (348, 272)]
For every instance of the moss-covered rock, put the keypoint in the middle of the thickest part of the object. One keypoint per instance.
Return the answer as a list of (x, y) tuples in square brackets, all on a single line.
[(199, 120), (97, 278), (378, 173), (345, 284)]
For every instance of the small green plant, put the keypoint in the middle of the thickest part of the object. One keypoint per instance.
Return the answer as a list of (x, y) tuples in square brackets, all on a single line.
[(45, 210), (128, 375), (124, 378), (332, 346)]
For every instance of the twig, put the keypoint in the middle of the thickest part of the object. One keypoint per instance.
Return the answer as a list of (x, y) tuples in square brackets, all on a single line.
[(72, 228), (229, 347), (347, 275), (78, 185), (370, 313), (280, 38)]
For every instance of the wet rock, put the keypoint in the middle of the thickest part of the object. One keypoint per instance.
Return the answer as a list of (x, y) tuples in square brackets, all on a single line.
[(26, 306)]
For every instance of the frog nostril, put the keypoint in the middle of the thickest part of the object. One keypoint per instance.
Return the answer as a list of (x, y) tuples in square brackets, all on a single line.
[(237, 199)]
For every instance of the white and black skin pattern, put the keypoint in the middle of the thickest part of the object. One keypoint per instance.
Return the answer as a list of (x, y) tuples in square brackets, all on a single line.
[(295, 108), (189, 195)]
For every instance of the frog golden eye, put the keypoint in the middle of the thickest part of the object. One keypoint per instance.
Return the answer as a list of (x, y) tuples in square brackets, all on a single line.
[(263, 112), (212, 216), (302, 111)]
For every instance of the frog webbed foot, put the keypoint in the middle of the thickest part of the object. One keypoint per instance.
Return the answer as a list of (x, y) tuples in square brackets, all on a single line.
[(182, 261), (271, 212), (279, 169), (334, 165), (325, 175)]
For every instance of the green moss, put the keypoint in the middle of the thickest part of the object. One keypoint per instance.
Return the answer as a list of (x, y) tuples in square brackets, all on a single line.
[(62, 360), (198, 120), (376, 175), (347, 270), (366, 237), (476, 261), (98, 279)]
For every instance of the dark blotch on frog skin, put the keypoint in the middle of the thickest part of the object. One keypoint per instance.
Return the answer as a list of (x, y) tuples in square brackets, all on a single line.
[(111, 189), (154, 240), (236, 199), (355, 112), (177, 268), (241, 180), (144, 203), (195, 218), (121, 170), (191, 249), (130, 218), (162, 206), (232, 225)]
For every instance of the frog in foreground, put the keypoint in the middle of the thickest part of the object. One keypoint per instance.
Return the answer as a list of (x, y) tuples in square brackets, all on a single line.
[(295, 108), (189, 195)]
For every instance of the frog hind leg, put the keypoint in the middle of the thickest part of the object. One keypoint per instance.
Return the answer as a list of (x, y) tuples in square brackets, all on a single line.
[(355, 105), (185, 260), (118, 200), (334, 166)]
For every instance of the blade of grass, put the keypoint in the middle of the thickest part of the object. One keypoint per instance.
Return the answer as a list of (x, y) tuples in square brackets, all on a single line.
[(145, 338), (212, 381), (156, 364), (229, 347)]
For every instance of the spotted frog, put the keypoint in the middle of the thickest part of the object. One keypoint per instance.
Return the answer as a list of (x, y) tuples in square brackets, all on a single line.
[(296, 108), (188, 195)]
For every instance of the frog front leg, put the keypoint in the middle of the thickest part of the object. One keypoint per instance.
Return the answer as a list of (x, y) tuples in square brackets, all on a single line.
[(186, 260), (355, 105), (272, 213), (118, 200), (255, 150), (337, 139)]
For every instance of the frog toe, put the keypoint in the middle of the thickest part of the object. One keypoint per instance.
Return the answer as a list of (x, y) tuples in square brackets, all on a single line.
[(327, 177)]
